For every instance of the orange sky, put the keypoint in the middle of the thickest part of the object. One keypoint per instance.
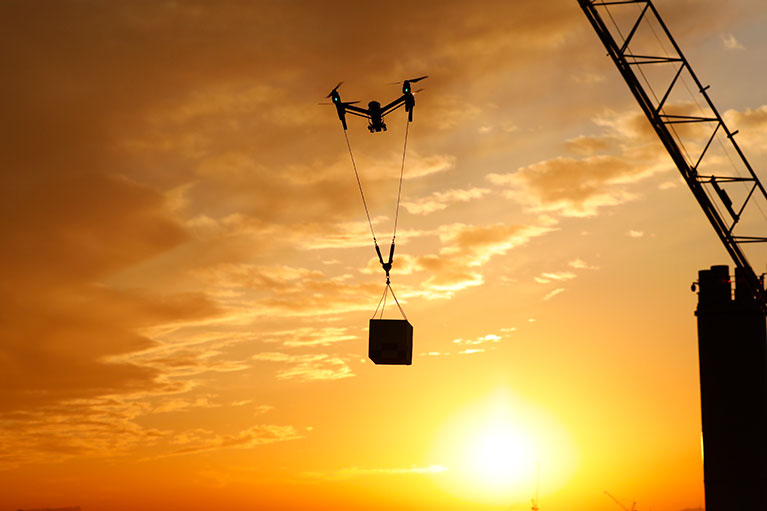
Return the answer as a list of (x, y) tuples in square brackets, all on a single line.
[(188, 276)]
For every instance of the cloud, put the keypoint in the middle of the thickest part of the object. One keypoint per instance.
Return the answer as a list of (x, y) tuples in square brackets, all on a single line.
[(417, 165), (73, 339), (587, 145), (438, 201), (259, 291), (102, 427), (472, 346), (634, 234), (310, 336), (312, 367), (752, 126), (568, 186), (667, 185), (625, 153), (350, 472), (587, 78), (465, 249), (489, 338), (357, 234), (476, 244), (200, 440), (580, 264), (731, 43), (179, 404), (553, 293), (546, 277)]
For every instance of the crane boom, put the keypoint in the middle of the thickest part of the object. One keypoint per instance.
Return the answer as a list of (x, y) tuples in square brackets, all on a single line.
[(633, 507), (637, 61)]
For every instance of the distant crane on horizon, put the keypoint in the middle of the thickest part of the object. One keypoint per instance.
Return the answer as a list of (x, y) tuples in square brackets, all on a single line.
[(534, 507), (633, 506)]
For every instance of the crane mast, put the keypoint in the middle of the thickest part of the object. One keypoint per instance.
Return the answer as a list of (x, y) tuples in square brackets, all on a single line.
[(644, 48)]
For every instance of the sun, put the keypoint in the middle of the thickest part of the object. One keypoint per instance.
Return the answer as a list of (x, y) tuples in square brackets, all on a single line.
[(502, 455), (501, 450)]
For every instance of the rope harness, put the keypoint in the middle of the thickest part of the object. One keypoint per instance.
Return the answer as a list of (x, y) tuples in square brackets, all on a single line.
[(388, 264)]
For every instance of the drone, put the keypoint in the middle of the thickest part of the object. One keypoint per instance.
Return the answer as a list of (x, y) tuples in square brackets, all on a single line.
[(375, 113)]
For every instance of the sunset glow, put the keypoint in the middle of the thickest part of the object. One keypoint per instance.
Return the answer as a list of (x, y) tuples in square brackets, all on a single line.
[(188, 271)]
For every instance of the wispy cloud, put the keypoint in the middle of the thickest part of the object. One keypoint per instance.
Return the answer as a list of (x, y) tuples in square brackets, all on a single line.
[(553, 293), (466, 248), (350, 472), (308, 367), (546, 277), (731, 43), (624, 153), (438, 201), (580, 264), (201, 440), (752, 126), (479, 340), (310, 336)]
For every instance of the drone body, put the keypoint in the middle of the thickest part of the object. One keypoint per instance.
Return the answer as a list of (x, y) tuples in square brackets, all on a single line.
[(375, 113)]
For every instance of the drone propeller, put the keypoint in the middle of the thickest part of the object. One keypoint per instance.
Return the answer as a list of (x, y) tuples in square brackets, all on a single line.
[(334, 89), (343, 102), (411, 80)]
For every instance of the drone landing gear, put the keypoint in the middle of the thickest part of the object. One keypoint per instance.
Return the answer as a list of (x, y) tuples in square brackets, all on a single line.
[(372, 128)]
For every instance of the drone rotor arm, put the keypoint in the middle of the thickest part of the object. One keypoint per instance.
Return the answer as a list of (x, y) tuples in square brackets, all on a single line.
[(393, 105), (355, 110)]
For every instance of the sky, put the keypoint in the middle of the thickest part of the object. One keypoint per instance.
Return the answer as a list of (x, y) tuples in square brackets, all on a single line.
[(188, 274)]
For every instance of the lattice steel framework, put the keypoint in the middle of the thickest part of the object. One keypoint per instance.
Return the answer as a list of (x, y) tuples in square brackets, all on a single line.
[(709, 188)]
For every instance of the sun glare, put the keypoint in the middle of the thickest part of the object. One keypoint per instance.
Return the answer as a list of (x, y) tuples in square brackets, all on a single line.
[(501, 455), (500, 450)]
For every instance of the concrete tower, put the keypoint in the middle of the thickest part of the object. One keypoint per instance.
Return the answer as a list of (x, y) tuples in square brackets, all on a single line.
[(732, 346)]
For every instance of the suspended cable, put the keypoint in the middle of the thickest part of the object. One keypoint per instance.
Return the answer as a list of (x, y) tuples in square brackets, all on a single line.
[(382, 303), (401, 175), (385, 265), (396, 301), (359, 185), (381, 300)]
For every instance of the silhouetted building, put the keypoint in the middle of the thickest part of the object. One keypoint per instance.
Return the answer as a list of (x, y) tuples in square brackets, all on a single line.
[(732, 346)]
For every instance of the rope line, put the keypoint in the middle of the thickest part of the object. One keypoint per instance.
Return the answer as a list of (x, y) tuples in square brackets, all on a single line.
[(401, 175), (379, 302), (359, 185), (387, 266), (382, 300), (397, 302)]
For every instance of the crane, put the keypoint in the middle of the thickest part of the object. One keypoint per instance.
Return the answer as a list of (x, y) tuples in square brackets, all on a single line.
[(646, 53), (732, 334), (633, 506), (534, 502)]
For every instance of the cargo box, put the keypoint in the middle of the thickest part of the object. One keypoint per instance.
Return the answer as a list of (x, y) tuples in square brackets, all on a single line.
[(391, 341)]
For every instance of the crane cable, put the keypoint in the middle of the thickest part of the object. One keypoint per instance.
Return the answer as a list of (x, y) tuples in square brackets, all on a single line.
[(385, 265)]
